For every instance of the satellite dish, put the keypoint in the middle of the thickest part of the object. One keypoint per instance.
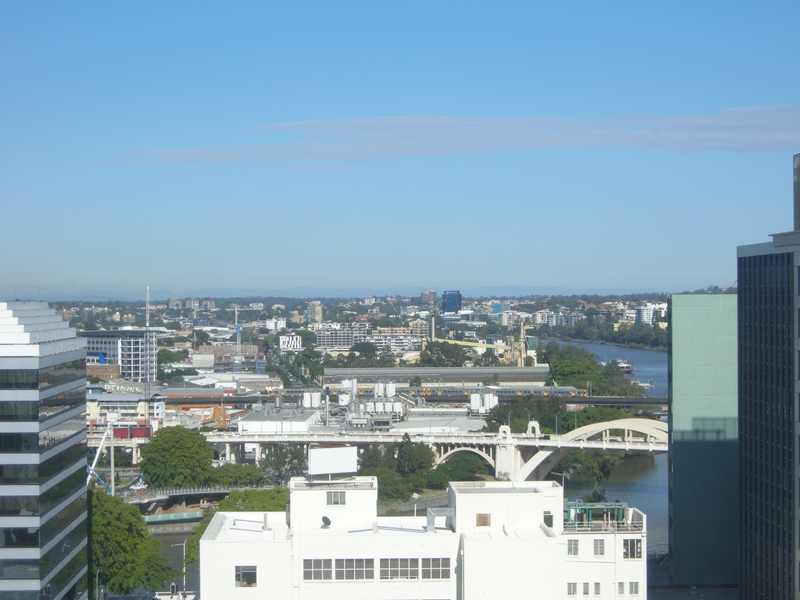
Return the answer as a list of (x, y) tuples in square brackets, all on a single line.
[(326, 522)]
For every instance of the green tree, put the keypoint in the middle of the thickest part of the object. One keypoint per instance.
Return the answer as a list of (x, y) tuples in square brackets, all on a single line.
[(378, 455), (413, 457), (175, 376), (599, 466), (489, 359), (365, 349), (463, 466), (238, 475), (391, 485), (416, 381), (123, 550), (284, 460), (442, 354), (177, 457), (167, 356)]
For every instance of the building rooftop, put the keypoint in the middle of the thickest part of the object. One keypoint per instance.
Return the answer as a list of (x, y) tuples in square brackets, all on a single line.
[(296, 415), (503, 487)]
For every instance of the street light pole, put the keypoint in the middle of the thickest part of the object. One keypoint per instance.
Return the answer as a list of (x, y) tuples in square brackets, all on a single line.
[(184, 563), (97, 583)]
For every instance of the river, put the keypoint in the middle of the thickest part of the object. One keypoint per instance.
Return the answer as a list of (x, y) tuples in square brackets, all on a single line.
[(650, 366), (641, 481)]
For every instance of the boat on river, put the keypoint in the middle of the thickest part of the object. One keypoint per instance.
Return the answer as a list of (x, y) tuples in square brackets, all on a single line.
[(623, 363)]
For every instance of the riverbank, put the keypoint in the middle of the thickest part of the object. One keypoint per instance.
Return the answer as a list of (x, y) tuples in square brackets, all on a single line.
[(632, 345)]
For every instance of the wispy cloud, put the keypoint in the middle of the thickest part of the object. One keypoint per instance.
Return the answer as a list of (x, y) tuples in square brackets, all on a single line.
[(305, 168), (750, 129)]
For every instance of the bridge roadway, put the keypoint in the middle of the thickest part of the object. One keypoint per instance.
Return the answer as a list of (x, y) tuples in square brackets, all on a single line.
[(515, 456)]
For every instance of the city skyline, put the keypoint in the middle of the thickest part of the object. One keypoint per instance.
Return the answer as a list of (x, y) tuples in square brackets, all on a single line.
[(257, 149)]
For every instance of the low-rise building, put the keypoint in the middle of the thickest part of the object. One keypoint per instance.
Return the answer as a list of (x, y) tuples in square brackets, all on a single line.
[(513, 538)]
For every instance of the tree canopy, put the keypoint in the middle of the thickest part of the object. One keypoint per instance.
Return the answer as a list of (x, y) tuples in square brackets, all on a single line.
[(378, 455), (284, 460), (238, 475), (391, 485), (413, 457), (442, 354), (177, 457), (570, 365), (128, 558)]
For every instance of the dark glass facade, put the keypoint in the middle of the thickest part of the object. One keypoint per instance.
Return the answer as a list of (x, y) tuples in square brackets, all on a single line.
[(767, 415), (43, 534), (451, 302)]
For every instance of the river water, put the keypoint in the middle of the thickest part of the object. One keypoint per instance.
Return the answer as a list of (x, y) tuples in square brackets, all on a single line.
[(649, 366), (640, 481)]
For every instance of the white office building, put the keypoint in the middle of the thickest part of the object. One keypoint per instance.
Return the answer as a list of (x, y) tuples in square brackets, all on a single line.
[(43, 517), (134, 350), (507, 538)]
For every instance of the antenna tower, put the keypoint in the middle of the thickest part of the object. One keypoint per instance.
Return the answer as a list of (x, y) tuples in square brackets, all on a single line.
[(147, 350)]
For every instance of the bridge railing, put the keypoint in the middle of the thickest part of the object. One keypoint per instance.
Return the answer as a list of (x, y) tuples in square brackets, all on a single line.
[(599, 526), (188, 491)]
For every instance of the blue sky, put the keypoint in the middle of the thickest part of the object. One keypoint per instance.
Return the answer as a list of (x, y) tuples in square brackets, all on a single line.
[(450, 145)]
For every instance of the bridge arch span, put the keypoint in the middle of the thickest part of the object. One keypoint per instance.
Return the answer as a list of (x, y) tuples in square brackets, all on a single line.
[(460, 450), (655, 431), (544, 460)]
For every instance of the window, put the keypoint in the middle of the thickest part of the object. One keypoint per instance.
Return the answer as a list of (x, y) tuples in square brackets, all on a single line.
[(483, 520), (572, 589), (572, 547), (245, 577), (316, 569), (585, 589), (632, 548), (621, 588), (436, 568), (599, 547), (355, 568), (335, 498), (548, 518), (596, 588), (634, 588), (399, 568)]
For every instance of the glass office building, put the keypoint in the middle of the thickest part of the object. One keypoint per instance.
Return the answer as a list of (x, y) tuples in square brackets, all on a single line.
[(43, 512), (451, 302), (704, 451), (769, 414)]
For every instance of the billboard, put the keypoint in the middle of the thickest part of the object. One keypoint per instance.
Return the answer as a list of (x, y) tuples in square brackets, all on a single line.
[(330, 460)]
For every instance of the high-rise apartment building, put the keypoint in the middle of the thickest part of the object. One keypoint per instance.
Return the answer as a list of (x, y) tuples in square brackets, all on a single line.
[(314, 312), (703, 451), (43, 517), (134, 350), (769, 414), (451, 302), (428, 298)]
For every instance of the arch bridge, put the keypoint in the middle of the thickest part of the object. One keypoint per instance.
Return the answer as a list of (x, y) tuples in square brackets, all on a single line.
[(516, 456)]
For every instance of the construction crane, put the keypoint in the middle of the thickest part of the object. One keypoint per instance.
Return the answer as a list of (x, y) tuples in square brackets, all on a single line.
[(90, 468)]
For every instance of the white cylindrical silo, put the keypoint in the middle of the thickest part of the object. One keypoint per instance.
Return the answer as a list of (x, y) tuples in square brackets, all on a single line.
[(474, 402)]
